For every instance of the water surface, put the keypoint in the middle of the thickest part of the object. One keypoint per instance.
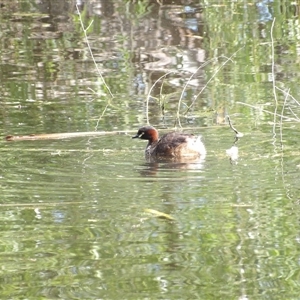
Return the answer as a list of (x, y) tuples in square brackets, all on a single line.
[(76, 212)]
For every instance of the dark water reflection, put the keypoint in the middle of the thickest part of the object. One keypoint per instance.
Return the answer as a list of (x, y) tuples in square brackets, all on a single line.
[(76, 213)]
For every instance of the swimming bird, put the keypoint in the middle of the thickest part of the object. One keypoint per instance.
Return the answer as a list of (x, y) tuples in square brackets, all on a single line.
[(174, 145)]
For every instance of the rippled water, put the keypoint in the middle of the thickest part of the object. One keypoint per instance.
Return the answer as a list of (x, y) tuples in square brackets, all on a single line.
[(89, 217), (75, 223)]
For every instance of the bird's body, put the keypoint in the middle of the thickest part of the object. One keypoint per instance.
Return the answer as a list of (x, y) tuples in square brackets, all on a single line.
[(171, 145)]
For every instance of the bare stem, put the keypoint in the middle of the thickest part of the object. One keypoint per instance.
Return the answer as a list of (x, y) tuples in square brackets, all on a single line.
[(212, 77), (149, 94), (201, 91), (185, 86), (238, 134), (274, 80), (283, 91), (103, 112), (281, 117), (90, 50), (269, 112)]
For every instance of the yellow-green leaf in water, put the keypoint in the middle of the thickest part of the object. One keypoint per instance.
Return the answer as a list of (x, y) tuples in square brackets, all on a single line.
[(159, 214)]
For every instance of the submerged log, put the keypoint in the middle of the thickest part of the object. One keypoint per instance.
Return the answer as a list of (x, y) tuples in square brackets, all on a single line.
[(56, 136)]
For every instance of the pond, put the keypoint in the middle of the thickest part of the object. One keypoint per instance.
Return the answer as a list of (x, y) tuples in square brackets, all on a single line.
[(88, 217)]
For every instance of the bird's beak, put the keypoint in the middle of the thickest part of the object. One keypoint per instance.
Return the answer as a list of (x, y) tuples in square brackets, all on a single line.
[(138, 135)]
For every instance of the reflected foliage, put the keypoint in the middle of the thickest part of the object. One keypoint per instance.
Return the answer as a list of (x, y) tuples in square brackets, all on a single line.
[(73, 222)]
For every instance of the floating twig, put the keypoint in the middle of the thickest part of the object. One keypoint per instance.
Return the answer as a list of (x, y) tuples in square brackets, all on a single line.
[(57, 136)]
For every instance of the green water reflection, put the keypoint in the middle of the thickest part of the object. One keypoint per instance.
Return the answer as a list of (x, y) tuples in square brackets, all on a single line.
[(74, 213), (74, 224)]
